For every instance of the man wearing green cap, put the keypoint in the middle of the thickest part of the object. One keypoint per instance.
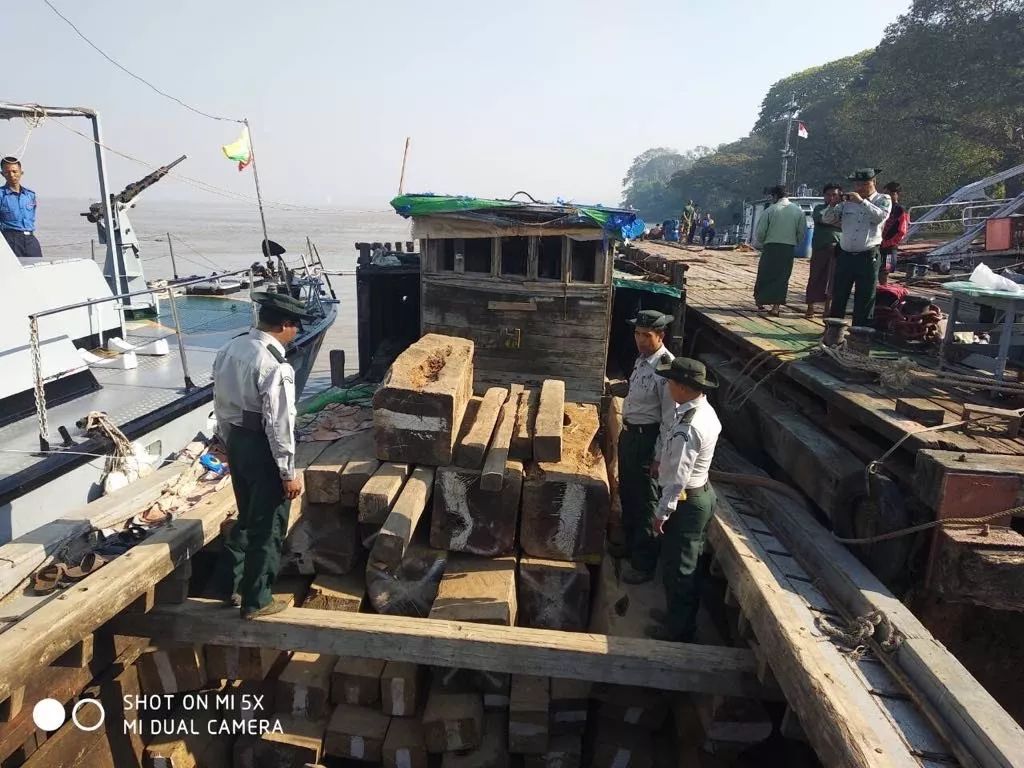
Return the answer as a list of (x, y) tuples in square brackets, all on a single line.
[(646, 411), (687, 499), (254, 404), (861, 215)]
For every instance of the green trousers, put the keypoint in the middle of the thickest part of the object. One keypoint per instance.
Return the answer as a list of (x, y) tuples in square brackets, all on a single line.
[(680, 551), (252, 551), (638, 492), (857, 272)]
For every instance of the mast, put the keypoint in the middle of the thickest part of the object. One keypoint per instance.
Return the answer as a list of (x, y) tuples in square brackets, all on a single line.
[(259, 195), (792, 108)]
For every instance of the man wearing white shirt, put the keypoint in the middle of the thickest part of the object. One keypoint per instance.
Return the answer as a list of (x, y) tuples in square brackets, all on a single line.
[(687, 500), (861, 215)]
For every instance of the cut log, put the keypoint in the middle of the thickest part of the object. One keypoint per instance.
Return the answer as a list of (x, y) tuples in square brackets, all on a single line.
[(565, 504), (492, 752), (400, 684), (473, 445), (393, 539), (494, 466), (188, 741), (641, 707), (621, 746), (337, 593), (478, 590), (320, 478), (627, 661), (529, 714), (924, 412), (522, 436), (547, 432), (453, 721), (553, 594), (981, 566), (356, 733), (356, 681), (466, 518), (418, 409), (299, 744), (323, 540), (304, 685), (230, 662), (405, 746), (570, 703), (380, 493), (173, 670), (565, 751)]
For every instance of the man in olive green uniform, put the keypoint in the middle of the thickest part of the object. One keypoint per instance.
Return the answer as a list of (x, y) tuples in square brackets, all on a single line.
[(687, 500), (646, 410), (689, 221), (254, 404)]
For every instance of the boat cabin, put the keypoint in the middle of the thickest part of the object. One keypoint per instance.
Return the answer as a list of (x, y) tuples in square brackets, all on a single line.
[(530, 283)]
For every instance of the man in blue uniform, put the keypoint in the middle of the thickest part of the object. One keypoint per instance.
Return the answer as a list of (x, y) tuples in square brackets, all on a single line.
[(18, 212)]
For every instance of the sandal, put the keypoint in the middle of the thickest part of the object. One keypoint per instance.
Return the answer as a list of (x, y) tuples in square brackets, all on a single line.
[(49, 577), (91, 563)]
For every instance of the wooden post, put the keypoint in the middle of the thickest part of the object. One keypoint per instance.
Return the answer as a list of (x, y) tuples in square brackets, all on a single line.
[(547, 436), (494, 467), (337, 367)]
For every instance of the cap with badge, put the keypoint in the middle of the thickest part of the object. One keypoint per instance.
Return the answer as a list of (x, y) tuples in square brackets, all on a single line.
[(651, 319), (864, 174), (286, 305), (687, 371)]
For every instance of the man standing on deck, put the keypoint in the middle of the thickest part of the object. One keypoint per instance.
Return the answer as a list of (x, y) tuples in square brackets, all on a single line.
[(646, 412), (254, 403), (860, 214), (824, 245), (687, 499), (781, 228), (18, 212), (689, 220)]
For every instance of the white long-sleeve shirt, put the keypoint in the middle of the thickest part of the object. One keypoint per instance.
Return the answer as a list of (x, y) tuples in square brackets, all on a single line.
[(861, 223), (648, 400), (687, 453), (248, 376)]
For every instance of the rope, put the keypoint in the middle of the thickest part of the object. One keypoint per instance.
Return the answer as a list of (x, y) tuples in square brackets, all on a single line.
[(37, 118), (854, 636), (957, 522), (733, 399), (117, 460), (131, 74)]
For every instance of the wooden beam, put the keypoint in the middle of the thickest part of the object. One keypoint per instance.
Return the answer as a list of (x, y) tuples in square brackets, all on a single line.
[(472, 447), (983, 566), (393, 539), (493, 474), (547, 432), (380, 492), (45, 635), (628, 661), (521, 448), (977, 728)]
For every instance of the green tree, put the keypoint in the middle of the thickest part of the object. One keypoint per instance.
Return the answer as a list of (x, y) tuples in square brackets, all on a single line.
[(646, 184)]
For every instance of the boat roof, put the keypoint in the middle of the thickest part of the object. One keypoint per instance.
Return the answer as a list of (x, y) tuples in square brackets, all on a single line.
[(12, 111), (620, 222)]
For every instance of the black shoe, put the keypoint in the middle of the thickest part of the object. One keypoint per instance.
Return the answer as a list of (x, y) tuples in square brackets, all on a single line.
[(234, 601), (274, 606), (631, 575)]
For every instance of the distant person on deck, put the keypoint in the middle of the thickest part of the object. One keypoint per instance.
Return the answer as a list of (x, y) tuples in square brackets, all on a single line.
[(707, 230), (18, 212), (689, 221), (693, 226), (824, 245), (894, 231), (860, 214), (780, 229)]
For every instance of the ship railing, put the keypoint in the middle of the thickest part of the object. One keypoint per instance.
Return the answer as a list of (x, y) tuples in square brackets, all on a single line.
[(39, 380)]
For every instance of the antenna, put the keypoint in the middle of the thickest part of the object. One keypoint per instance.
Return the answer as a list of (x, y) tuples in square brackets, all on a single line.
[(405, 155)]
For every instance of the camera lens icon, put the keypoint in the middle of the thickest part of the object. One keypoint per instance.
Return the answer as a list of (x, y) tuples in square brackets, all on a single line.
[(49, 714)]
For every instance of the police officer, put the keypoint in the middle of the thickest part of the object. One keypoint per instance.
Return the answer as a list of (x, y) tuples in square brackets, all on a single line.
[(646, 412), (18, 212), (254, 403), (687, 499)]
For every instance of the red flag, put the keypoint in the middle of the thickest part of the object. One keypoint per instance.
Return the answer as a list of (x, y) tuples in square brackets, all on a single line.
[(801, 130)]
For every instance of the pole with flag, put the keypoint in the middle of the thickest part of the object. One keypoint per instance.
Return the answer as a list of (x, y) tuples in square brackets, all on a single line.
[(241, 151)]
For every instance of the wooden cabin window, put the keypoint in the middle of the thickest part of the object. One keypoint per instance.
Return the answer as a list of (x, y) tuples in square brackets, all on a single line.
[(446, 251), (584, 260), (515, 256), (477, 254), (549, 257)]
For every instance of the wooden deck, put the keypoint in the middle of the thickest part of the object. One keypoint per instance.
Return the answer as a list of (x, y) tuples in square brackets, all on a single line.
[(720, 287)]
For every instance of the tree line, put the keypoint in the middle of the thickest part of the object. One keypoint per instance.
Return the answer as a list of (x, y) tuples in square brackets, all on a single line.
[(937, 104)]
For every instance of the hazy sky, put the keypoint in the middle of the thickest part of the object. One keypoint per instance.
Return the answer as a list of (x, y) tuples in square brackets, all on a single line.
[(551, 97)]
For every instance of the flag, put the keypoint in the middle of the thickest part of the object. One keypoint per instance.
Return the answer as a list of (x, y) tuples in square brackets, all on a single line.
[(240, 150), (801, 130)]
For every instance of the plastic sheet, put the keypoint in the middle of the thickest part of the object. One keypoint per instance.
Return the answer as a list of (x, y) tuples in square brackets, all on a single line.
[(985, 278), (409, 589)]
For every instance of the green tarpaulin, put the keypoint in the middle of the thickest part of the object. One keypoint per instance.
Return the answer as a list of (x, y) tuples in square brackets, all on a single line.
[(626, 280)]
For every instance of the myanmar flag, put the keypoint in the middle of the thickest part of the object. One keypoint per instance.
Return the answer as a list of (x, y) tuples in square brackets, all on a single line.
[(801, 130), (240, 150)]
